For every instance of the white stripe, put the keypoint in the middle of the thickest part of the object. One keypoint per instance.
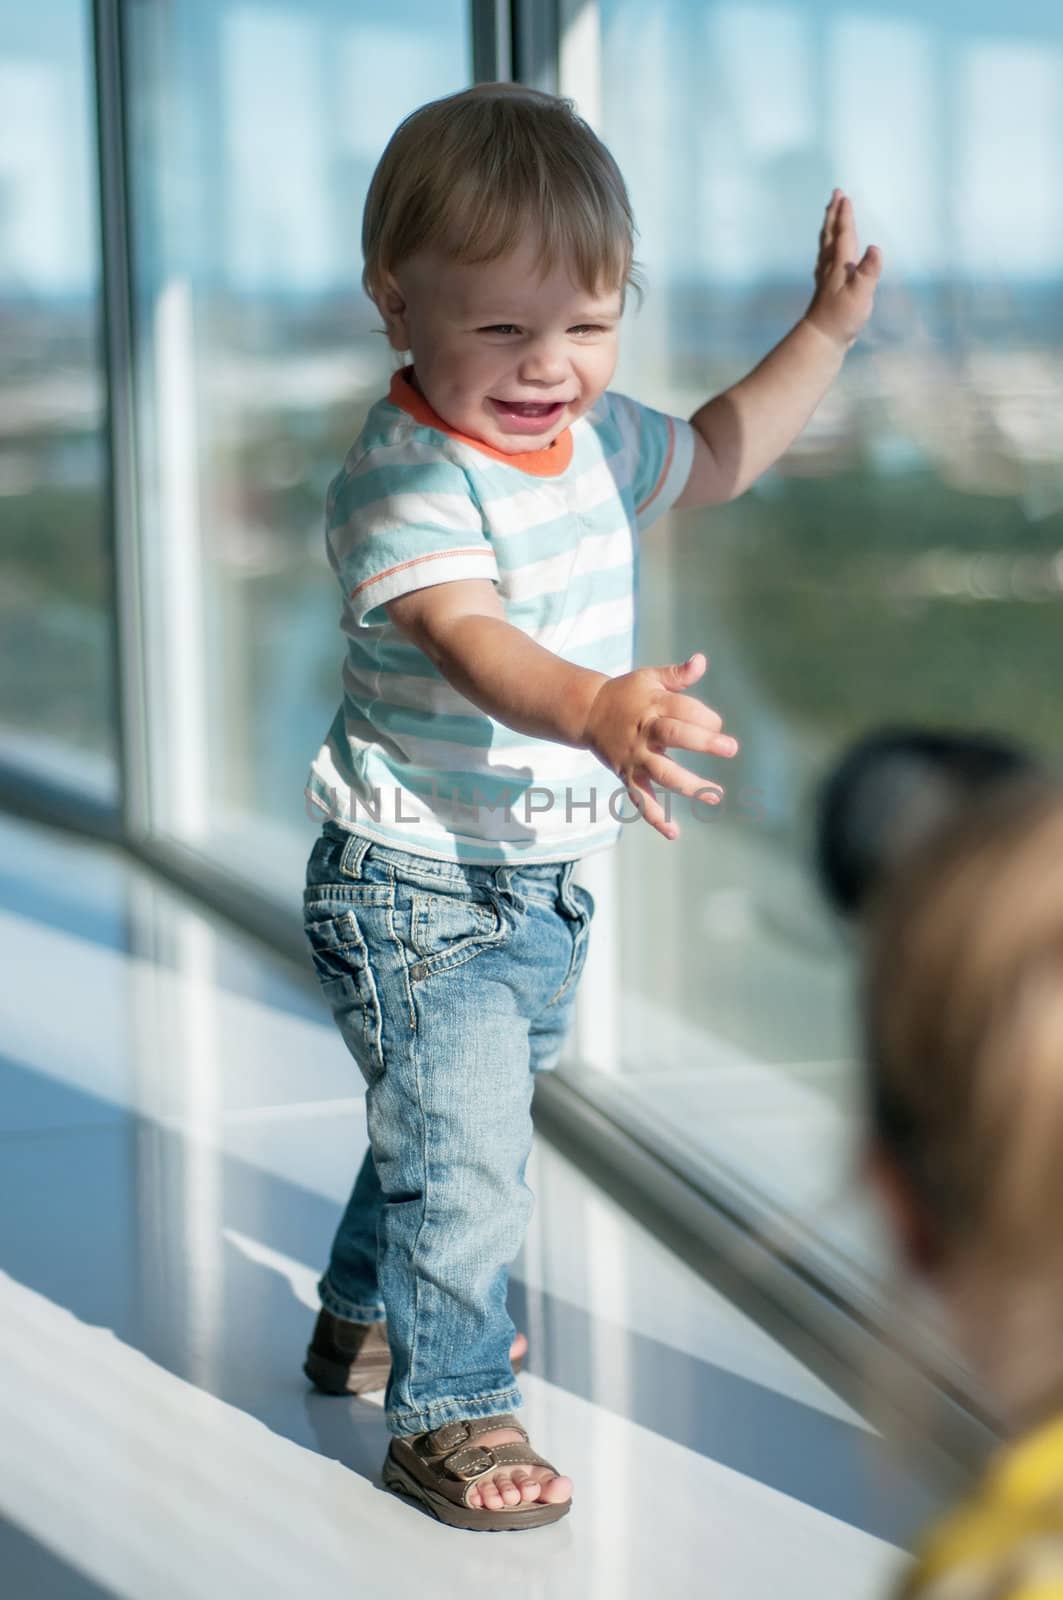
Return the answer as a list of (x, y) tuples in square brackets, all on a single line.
[(529, 508), (603, 621), (603, 552), (552, 763), (454, 513), (406, 576)]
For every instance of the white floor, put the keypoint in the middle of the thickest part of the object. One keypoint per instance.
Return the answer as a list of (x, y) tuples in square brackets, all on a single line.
[(179, 1125)]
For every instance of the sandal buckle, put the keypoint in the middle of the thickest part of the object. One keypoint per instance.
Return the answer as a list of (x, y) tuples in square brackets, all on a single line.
[(481, 1459), (448, 1437)]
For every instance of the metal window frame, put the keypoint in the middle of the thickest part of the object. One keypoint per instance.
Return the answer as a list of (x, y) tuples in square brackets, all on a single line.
[(512, 40), (492, 41), (120, 368), (24, 793)]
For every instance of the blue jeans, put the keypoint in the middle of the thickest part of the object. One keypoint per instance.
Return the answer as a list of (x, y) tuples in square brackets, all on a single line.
[(451, 985)]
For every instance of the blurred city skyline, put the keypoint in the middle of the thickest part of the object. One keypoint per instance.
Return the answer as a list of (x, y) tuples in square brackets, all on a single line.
[(945, 122)]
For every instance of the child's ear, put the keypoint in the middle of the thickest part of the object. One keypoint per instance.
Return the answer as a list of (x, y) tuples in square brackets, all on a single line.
[(912, 1228), (391, 303)]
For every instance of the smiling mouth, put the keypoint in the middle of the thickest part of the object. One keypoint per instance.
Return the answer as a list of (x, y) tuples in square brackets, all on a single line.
[(530, 409), (529, 415)]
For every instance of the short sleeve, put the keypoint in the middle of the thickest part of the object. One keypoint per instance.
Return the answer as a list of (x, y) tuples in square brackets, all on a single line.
[(657, 451), (402, 518)]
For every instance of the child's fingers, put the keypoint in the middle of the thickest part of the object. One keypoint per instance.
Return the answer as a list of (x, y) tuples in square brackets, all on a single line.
[(846, 235), (640, 793), (685, 708), (826, 233), (680, 675), (870, 264), (683, 734), (670, 775)]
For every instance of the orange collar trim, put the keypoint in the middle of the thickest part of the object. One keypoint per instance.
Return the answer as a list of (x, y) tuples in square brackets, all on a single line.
[(548, 463)]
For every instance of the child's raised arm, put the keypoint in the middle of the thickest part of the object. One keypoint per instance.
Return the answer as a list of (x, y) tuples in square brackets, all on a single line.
[(743, 430), (628, 722)]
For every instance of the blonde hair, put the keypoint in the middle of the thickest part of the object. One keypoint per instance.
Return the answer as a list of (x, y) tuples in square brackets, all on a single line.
[(963, 1017), (470, 174)]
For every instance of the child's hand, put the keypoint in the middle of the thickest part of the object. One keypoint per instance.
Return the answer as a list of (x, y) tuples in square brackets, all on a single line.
[(845, 286), (635, 718)]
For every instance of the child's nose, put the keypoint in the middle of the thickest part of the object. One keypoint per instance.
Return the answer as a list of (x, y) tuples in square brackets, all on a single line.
[(544, 362)]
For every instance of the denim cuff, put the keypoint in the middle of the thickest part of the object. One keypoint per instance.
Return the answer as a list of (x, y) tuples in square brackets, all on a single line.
[(404, 1424), (349, 1310)]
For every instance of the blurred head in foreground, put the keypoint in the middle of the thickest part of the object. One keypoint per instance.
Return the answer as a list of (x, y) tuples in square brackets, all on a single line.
[(963, 1039), (890, 789)]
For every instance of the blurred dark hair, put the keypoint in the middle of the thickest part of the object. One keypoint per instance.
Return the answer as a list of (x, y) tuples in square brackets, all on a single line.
[(890, 790)]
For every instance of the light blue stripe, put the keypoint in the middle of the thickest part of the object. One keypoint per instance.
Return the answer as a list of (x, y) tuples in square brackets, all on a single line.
[(392, 653), (585, 589), (376, 484), (476, 733)]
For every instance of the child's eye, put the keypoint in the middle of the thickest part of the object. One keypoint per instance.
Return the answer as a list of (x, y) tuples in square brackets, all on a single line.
[(500, 327), (587, 327)]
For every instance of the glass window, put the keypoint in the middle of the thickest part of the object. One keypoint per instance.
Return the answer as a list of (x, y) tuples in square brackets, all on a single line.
[(254, 129), (904, 561), (56, 692)]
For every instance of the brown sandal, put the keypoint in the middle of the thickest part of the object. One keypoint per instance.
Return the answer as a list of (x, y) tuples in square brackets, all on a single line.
[(348, 1357), (352, 1357), (439, 1468)]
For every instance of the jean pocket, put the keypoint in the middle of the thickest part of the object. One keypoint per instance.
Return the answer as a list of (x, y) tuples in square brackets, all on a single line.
[(578, 910), (341, 961), (447, 929)]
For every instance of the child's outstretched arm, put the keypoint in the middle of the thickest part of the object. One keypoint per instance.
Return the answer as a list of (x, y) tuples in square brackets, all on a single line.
[(743, 430), (628, 722)]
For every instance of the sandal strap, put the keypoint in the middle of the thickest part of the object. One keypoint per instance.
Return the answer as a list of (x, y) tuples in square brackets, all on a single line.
[(474, 1462), (445, 1440)]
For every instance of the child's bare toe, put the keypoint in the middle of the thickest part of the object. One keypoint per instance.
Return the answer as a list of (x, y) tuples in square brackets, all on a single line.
[(510, 1487)]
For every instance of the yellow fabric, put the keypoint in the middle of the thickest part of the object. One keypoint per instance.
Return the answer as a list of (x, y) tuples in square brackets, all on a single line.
[(1006, 1541)]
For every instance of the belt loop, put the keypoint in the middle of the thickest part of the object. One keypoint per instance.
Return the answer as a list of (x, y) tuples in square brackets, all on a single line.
[(511, 902), (353, 855)]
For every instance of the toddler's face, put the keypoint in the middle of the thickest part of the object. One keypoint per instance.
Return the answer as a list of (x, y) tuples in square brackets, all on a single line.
[(499, 352)]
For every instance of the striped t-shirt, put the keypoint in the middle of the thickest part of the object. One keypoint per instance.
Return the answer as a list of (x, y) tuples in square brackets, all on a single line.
[(408, 760)]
